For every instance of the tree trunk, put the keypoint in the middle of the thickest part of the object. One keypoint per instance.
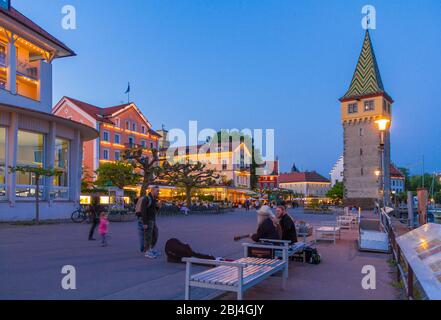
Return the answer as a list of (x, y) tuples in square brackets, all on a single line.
[(188, 195), (37, 198), (145, 185)]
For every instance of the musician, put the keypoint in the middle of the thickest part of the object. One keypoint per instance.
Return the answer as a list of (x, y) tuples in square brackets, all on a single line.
[(267, 225)]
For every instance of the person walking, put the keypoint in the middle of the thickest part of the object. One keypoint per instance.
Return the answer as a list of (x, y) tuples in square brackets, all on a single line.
[(94, 211), (103, 228), (149, 208)]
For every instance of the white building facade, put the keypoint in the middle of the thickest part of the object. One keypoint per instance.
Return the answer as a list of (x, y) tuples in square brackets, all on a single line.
[(29, 134), (337, 172)]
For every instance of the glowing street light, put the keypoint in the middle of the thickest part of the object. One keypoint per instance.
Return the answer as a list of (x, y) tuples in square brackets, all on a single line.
[(382, 124), (377, 172)]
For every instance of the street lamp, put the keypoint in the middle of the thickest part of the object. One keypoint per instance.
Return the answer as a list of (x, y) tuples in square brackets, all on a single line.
[(383, 125)]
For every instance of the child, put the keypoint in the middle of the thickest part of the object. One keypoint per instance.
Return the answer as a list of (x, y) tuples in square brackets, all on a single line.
[(103, 228)]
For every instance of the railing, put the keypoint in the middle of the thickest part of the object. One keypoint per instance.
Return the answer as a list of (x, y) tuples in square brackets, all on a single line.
[(28, 69), (404, 270)]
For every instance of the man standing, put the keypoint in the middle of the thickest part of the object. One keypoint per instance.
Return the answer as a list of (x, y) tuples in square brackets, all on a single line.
[(149, 209), (287, 224)]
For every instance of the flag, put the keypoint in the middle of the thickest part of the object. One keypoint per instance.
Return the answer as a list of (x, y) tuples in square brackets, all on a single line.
[(128, 89)]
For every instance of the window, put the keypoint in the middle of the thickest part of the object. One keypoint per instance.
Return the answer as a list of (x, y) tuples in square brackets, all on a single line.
[(369, 105), (131, 141), (2, 163), (361, 152), (117, 123), (362, 172), (361, 132), (117, 138), (106, 154), (152, 145), (133, 126), (106, 136), (127, 125), (389, 109), (2, 55), (224, 164), (61, 182), (117, 155), (352, 108), (142, 129), (30, 152), (143, 143)]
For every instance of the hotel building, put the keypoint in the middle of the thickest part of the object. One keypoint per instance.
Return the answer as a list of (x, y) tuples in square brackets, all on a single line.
[(120, 127), (29, 134), (309, 184)]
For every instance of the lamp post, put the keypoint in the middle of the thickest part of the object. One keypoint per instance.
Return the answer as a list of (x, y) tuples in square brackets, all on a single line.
[(383, 125)]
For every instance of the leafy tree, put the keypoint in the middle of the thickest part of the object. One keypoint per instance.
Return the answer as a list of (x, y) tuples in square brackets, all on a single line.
[(147, 164), (120, 174), (189, 175), (336, 192), (406, 174), (37, 173)]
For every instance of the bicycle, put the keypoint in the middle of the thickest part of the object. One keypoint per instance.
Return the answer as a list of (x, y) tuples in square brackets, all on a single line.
[(79, 215)]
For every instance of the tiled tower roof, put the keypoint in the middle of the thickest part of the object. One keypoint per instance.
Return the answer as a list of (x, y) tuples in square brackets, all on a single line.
[(367, 79)]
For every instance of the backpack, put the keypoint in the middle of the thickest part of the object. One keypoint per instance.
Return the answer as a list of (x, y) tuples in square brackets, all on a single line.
[(176, 250), (312, 256)]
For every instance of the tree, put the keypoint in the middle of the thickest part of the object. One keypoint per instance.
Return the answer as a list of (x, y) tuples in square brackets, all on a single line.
[(189, 176), (148, 165), (336, 193), (120, 174), (37, 173)]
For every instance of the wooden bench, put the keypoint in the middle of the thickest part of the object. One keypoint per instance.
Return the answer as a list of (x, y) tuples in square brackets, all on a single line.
[(292, 248), (237, 276)]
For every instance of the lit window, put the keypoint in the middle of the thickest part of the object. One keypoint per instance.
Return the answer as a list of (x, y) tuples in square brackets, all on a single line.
[(2, 162), (369, 105), (352, 108), (30, 152), (61, 182)]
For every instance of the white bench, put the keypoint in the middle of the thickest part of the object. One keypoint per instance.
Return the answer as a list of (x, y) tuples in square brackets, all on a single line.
[(345, 222), (237, 276)]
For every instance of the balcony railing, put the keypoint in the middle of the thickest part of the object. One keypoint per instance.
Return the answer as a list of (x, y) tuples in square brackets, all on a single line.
[(240, 167), (28, 69)]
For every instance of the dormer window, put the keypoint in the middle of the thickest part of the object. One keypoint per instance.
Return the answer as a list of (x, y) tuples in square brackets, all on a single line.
[(369, 105), (352, 108)]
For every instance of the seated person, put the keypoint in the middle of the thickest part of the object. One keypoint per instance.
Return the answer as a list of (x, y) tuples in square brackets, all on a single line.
[(266, 225), (287, 224)]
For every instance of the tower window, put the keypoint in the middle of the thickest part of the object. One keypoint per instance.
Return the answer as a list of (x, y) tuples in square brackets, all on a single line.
[(361, 152), (369, 105), (361, 132), (352, 108), (362, 172)]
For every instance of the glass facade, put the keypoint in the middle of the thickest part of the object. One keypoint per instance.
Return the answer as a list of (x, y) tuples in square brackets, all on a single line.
[(2, 163), (61, 182), (30, 152)]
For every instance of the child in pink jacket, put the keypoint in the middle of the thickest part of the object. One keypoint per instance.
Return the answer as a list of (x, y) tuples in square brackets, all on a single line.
[(103, 228)]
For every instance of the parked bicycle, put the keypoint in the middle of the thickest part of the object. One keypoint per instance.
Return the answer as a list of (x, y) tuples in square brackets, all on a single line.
[(79, 215)]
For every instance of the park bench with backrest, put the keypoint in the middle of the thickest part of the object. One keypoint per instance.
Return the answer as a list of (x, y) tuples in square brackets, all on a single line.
[(237, 276)]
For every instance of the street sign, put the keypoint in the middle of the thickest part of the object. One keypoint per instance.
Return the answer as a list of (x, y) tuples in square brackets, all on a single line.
[(5, 4)]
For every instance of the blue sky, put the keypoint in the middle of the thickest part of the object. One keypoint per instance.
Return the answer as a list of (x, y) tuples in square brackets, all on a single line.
[(278, 64)]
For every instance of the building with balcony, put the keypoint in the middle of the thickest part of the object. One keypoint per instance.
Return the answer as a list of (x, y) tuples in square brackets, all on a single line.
[(231, 160), (120, 127), (29, 134)]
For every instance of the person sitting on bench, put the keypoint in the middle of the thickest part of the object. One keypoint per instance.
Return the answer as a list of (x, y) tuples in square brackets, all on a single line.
[(287, 224), (267, 227)]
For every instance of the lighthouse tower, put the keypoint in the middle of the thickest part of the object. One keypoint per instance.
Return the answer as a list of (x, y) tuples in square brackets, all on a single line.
[(366, 147)]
